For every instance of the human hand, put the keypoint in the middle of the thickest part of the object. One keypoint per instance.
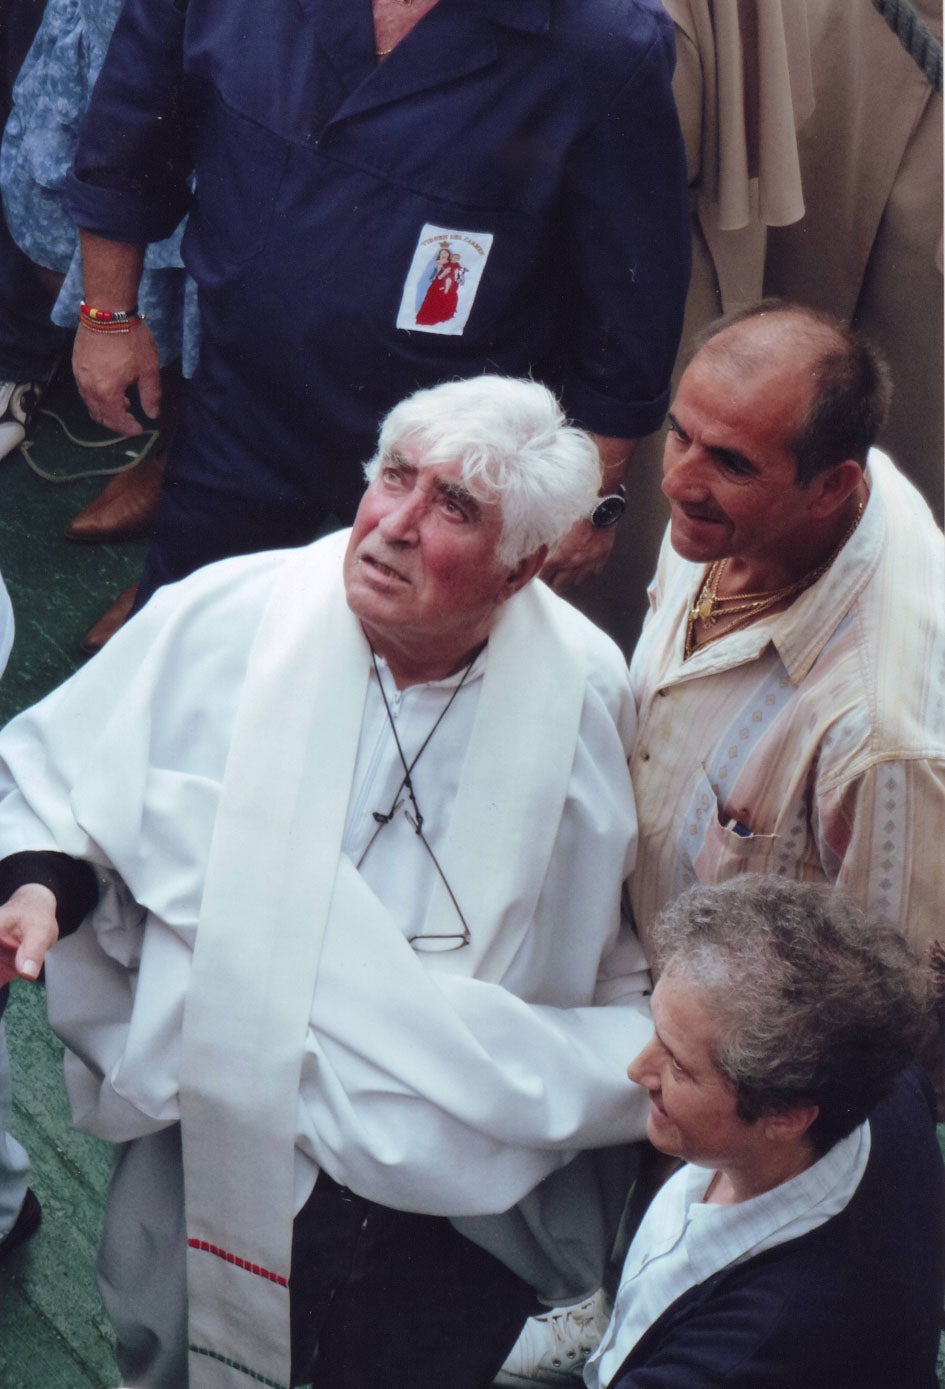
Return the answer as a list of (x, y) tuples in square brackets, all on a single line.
[(106, 364), (579, 554), (28, 929)]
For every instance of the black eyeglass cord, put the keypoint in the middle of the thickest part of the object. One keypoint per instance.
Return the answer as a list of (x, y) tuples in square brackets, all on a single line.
[(406, 784)]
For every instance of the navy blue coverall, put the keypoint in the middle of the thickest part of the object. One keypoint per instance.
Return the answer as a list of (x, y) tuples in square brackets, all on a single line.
[(537, 138)]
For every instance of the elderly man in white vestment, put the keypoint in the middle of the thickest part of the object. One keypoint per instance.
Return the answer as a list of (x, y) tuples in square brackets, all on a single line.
[(356, 983)]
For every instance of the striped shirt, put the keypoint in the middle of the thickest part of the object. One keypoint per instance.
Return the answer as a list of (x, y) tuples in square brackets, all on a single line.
[(810, 744)]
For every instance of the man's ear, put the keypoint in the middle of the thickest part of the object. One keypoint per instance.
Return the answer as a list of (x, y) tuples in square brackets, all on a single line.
[(791, 1124), (525, 570), (832, 488)]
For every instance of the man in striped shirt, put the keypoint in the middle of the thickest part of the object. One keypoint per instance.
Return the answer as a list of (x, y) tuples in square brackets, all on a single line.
[(790, 678)]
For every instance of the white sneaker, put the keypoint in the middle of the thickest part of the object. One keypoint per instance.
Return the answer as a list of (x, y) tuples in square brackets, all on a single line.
[(552, 1348), (18, 400)]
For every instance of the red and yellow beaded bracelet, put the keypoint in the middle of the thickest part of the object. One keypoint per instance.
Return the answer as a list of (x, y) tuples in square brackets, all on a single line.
[(108, 320)]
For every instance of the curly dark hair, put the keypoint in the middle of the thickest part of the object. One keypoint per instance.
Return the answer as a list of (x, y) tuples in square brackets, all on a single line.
[(816, 1003)]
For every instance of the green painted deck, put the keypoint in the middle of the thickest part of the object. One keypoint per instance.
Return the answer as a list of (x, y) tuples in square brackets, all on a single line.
[(53, 1332)]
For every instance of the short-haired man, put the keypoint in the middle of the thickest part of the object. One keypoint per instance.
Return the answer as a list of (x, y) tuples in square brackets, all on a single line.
[(803, 1243), (790, 675), (359, 816)]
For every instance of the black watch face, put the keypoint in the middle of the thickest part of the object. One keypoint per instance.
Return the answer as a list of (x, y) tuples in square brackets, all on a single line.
[(608, 511)]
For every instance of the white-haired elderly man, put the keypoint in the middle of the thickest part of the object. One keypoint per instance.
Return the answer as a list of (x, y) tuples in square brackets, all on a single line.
[(356, 964)]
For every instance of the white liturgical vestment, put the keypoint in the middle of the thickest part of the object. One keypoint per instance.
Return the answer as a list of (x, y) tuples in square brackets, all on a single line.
[(241, 977)]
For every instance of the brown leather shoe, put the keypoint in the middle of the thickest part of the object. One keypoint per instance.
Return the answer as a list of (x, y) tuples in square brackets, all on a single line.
[(125, 509), (108, 624)]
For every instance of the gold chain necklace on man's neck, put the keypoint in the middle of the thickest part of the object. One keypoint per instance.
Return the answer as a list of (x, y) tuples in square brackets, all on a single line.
[(711, 607)]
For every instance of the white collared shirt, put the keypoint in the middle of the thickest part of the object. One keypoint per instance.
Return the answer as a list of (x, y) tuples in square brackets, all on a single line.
[(683, 1240)]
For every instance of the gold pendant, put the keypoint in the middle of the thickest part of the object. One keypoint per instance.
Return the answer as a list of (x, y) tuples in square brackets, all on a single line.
[(703, 609)]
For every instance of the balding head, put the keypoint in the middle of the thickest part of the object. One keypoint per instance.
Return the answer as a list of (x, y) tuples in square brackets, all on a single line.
[(842, 383)]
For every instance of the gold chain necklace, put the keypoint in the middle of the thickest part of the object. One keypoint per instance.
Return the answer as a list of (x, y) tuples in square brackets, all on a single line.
[(711, 607)]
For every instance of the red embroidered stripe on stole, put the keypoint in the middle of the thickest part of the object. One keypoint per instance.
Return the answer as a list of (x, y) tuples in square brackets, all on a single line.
[(229, 1258)]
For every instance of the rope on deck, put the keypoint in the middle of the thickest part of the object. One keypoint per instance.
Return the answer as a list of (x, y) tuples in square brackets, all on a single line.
[(148, 441), (916, 39)]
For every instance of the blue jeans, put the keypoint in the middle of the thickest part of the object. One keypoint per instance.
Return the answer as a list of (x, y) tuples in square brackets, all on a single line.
[(385, 1299)]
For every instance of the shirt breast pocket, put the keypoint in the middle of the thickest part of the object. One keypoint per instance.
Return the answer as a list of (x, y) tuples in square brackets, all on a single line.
[(720, 842), (241, 166)]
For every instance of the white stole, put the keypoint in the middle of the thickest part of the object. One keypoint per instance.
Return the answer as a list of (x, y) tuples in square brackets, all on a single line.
[(283, 809)]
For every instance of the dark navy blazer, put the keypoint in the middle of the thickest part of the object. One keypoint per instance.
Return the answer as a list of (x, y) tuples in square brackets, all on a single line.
[(854, 1304)]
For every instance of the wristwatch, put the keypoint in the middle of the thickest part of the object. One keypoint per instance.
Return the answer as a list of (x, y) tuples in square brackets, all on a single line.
[(609, 508)]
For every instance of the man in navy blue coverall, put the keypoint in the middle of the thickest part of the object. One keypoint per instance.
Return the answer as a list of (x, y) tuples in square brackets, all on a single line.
[(386, 197)]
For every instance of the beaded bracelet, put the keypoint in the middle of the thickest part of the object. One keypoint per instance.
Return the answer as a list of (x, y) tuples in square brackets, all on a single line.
[(108, 320)]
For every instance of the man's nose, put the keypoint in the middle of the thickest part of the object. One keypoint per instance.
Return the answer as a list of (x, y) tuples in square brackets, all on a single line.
[(401, 520), (684, 473)]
